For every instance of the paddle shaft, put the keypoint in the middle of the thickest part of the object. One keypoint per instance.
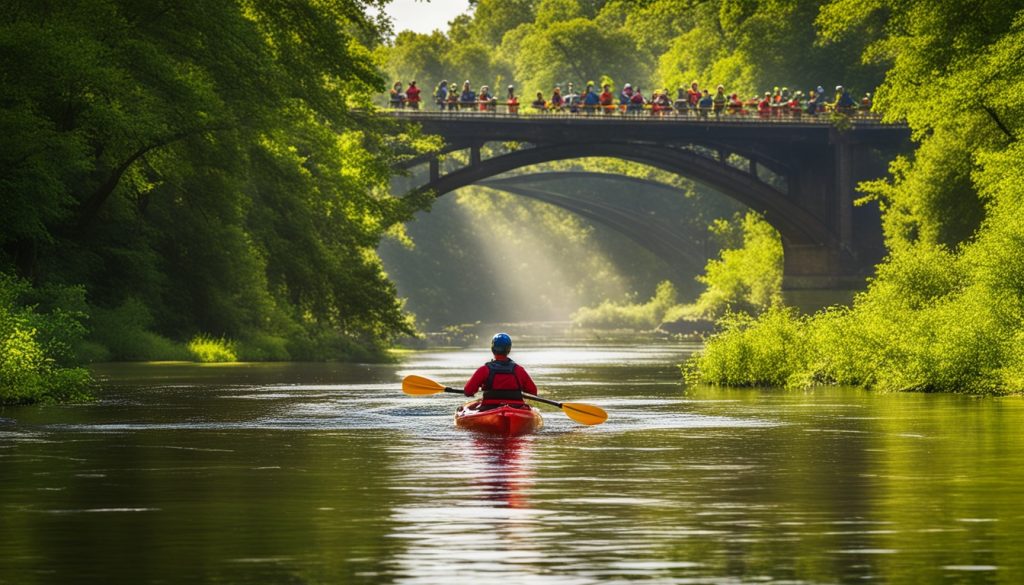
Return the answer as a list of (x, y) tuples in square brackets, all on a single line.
[(525, 395)]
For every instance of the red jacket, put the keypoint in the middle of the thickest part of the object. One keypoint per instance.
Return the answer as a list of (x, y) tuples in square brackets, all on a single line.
[(412, 95), (501, 382)]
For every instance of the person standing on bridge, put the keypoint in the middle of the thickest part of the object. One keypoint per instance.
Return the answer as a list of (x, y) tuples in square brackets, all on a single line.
[(636, 102), (487, 101), (539, 104), (735, 105), (764, 107), (693, 97), (502, 380), (590, 99), (605, 100), (719, 101), (706, 103), (412, 96), (795, 109), (468, 96), (512, 102), (396, 98), (572, 100), (556, 99), (812, 103), (844, 103), (626, 96), (441, 95)]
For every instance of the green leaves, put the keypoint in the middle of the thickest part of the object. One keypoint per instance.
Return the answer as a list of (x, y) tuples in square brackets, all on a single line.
[(204, 160)]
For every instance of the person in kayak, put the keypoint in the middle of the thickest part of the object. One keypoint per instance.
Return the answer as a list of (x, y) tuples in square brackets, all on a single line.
[(502, 380)]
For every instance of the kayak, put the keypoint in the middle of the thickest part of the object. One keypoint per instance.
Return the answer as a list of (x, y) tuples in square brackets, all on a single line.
[(505, 420)]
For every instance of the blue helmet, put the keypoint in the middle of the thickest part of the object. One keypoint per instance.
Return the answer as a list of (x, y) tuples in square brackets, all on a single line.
[(501, 344)]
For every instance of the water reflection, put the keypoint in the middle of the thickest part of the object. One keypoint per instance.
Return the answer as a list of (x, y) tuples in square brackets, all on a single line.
[(477, 519), (329, 474)]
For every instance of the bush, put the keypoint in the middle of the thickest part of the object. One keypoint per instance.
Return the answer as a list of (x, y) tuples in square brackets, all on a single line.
[(768, 351), (928, 323), (32, 360), (263, 348), (125, 332), (747, 275), (210, 350), (646, 316)]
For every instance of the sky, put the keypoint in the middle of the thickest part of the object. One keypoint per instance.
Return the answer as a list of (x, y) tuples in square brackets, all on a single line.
[(424, 17)]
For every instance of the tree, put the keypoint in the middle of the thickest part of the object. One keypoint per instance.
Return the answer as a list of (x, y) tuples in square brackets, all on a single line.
[(145, 145)]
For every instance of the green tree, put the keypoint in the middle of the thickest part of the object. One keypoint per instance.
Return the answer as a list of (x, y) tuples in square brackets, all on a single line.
[(575, 50), (946, 309), (213, 161)]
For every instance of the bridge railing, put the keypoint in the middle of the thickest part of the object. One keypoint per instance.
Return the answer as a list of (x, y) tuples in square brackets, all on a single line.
[(777, 114)]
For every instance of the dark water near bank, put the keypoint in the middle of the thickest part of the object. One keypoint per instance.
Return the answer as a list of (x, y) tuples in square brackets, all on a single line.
[(305, 473)]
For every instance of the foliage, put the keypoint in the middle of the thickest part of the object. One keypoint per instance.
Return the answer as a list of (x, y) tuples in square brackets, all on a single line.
[(937, 52), (207, 349), (746, 277), (207, 166), (764, 351), (35, 345), (639, 317), (945, 311)]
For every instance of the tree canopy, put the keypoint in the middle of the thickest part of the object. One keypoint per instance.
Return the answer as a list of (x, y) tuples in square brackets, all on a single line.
[(211, 162)]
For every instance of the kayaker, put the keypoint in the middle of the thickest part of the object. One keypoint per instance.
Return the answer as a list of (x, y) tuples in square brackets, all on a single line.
[(502, 380)]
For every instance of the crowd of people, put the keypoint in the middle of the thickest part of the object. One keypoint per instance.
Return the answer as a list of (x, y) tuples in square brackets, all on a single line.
[(688, 101)]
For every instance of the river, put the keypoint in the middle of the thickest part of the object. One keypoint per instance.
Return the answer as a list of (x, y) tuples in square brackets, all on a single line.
[(327, 473)]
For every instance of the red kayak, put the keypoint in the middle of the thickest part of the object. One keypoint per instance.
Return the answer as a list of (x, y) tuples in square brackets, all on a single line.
[(506, 420)]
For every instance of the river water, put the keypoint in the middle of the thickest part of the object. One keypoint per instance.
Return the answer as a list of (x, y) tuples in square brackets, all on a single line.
[(313, 473)]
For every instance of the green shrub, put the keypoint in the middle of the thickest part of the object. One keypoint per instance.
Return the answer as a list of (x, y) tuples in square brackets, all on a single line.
[(747, 275), (35, 349), (646, 316), (927, 323), (125, 332), (210, 350), (263, 348), (767, 351)]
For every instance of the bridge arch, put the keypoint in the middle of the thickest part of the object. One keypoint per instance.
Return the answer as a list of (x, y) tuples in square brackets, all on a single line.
[(794, 223), (665, 242), (800, 173)]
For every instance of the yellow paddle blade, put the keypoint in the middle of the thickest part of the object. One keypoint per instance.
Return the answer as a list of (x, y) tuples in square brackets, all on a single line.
[(587, 414), (420, 386)]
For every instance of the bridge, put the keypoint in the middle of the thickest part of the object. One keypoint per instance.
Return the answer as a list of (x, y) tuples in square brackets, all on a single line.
[(801, 173), (681, 247)]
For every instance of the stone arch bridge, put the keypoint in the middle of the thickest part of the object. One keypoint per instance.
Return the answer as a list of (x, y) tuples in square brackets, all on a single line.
[(801, 174)]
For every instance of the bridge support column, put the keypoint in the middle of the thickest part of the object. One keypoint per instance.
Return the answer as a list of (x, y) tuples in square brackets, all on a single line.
[(435, 169), (845, 186), (813, 278)]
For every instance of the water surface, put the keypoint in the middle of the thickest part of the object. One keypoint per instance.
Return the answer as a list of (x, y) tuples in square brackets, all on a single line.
[(313, 473)]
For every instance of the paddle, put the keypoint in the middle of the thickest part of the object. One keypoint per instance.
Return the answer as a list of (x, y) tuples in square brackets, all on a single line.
[(587, 414)]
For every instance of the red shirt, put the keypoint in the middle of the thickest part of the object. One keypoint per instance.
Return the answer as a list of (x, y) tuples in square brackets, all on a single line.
[(692, 97), (412, 95), (501, 382)]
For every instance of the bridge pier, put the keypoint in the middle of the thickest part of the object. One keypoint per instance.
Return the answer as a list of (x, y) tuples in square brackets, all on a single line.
[(813, 277)]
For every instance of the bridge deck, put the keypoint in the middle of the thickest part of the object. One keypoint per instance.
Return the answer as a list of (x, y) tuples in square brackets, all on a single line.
[(825, 119), (476, 126)]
